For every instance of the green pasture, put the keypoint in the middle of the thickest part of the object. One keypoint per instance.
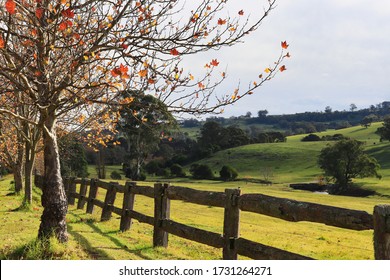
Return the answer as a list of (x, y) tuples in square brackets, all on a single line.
[(293, 161), (92, 239)]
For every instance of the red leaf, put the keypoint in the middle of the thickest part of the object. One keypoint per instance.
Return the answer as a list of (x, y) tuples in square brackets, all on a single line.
[(10, 6), (174, 52), (282, 68), (39, 12), (68, 13), (214, 62), (62, 26), (221, 21), (241, 13), (2, 43), (284, 45)]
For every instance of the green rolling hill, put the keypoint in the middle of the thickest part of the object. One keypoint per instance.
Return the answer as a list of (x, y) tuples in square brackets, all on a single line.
[(296, 161)]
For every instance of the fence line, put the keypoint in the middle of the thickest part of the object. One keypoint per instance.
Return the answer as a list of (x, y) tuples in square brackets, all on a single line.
[(233, 202)]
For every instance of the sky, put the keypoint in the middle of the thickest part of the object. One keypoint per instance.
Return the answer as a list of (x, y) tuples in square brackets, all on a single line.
[(340, 56)]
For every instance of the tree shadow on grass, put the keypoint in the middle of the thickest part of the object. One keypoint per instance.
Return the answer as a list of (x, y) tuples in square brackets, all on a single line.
[(97, 252)]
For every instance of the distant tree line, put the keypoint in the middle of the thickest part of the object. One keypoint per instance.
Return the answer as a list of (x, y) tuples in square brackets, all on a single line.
[(307, 122)]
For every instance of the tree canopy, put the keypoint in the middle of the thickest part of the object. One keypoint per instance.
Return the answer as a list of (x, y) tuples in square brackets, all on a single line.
[(384, 131), (346, 160)]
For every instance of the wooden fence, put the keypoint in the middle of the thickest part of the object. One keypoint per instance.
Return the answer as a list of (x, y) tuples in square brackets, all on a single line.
[(233, 202)]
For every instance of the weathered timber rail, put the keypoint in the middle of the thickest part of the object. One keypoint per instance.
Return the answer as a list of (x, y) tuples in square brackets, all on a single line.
[(233, 203)]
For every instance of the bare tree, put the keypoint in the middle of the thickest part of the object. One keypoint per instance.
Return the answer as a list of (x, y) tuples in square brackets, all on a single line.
[(71, 58)]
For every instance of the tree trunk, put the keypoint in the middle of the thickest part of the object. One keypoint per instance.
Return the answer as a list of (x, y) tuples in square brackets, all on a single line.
[(18, 169), (28, 168), (28, 173), (53, 219), (18, 178)]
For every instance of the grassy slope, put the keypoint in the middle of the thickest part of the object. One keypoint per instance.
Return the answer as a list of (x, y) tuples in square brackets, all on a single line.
[(291, 161), (296, 161)]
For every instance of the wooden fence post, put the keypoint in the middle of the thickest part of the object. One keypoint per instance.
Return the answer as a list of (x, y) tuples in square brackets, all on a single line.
[(72, 190), (382, 232), (83, 194), (93, 191), (231, 224), (128, 204), (161, 212), (109, 202)]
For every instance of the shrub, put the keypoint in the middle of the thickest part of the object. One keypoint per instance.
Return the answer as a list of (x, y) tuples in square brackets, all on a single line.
[(115, 175), (201, 171), (163, 172), (153, 167), (177, 170), (228, 173), (311, 137)]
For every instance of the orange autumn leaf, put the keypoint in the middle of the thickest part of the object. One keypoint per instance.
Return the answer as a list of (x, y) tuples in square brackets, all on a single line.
[(284, 45), (2, 43), (174, 52), (10, 6), (120, 71), (151, 81), (201, 85), (241, 13), (221, 21), (143, 73), (282, 68)]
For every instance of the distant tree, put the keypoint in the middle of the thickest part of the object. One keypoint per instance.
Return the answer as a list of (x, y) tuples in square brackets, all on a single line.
[(212, 137), (346, 160), (235, 137), (248, 115), (141, 124), (191, 123), (368, 120), (72, 157), (384, 131), (328, 109), (352, 107), (262, 113)]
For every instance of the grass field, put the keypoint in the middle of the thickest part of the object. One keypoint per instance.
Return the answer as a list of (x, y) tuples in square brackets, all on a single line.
[(293, 161)]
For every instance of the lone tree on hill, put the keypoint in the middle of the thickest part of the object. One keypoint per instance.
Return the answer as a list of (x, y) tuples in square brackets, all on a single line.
[(70, 59), (384, 131), (346, 160)]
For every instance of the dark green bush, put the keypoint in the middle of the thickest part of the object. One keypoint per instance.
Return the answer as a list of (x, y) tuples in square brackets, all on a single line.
[(177, 170), (115, 175), (311, 137), (228, 173), (201, 171)]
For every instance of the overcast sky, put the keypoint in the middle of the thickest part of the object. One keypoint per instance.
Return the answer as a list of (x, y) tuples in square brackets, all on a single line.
[(340, 55)]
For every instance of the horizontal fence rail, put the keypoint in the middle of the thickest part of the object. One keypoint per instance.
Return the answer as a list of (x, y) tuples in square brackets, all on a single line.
[(233, 203)]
